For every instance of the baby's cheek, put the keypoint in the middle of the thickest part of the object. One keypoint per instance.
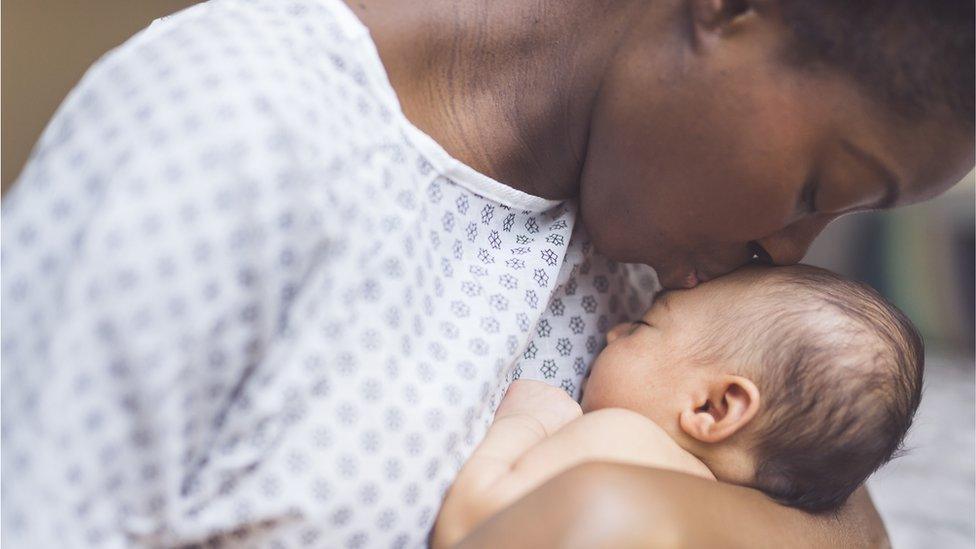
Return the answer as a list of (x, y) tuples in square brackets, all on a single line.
[(591, 392), (591, 396), (603, 388)]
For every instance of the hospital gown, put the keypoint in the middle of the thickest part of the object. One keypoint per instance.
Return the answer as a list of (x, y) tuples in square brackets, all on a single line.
[(246, 302)]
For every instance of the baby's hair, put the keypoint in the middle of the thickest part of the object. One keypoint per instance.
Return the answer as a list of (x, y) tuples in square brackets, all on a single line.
[(839, 372), (916, 56)]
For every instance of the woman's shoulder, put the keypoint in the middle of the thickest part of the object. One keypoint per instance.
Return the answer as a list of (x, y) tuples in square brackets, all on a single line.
[(233, 67)]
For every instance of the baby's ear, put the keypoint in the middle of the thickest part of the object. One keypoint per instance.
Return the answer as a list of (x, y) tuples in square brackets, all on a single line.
[(728, 403)]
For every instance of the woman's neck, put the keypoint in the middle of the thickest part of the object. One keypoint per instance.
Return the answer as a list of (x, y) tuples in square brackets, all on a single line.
[(506, 86)]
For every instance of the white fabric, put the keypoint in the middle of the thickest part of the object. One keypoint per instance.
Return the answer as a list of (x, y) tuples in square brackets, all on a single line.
[(245, 301)]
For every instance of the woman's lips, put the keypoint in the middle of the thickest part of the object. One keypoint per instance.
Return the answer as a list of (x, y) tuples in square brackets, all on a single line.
[(694, 278), (686, 281), (675, 280)]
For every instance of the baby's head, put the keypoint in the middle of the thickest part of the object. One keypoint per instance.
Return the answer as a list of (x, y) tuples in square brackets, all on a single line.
[(791, 380)]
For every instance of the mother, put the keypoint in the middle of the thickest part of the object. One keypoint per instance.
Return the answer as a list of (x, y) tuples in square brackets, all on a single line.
[(262, 283)]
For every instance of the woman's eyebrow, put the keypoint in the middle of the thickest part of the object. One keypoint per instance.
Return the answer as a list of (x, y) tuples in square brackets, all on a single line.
[(888, 178)]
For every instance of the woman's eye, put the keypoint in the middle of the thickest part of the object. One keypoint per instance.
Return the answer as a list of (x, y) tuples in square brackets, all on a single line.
[(808, 196)]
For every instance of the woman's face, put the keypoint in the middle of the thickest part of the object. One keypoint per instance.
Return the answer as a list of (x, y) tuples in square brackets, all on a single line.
[(744, 150)]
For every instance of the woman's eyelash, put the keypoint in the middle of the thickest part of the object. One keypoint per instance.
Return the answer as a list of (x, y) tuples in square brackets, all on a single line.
[(808, 197)]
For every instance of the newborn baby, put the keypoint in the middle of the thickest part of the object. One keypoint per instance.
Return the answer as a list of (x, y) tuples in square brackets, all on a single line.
[(790, 380)]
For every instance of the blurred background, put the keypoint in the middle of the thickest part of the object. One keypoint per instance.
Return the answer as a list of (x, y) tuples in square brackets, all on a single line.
[(921, 257)]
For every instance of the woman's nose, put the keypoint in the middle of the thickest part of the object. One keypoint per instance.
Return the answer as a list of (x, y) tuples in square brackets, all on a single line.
[(790, 244), (617, 331)]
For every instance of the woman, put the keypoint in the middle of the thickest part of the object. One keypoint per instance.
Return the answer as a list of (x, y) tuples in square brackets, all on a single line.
[(267, 271)]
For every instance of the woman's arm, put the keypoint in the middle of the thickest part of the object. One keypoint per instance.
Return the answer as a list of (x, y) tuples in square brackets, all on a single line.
[(493, 479), (610, 505)]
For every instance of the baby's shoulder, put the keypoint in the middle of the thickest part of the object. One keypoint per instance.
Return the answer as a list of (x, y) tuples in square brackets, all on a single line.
[(620, 421), (637, 439)]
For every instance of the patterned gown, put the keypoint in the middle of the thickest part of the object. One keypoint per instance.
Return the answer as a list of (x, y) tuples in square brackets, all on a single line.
[(246, 302)]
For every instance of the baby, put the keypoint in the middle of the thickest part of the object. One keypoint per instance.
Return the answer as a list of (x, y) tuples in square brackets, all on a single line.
[(790, 380)]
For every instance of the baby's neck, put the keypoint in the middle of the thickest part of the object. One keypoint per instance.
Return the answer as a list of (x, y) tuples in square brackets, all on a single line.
[(728, 462)]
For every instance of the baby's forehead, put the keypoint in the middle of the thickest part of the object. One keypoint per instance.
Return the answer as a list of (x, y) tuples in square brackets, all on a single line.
[(786, 281), (809, 295), (816, 302)]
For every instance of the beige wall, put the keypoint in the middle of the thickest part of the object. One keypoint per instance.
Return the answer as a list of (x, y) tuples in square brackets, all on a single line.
[(46, 47)]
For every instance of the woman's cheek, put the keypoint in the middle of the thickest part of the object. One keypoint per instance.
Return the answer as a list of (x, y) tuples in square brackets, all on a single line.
[(757, 211)]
